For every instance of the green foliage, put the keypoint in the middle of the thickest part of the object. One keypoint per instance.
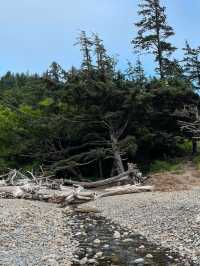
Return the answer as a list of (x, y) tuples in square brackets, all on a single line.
[(165, 166), (153, 33), (87, 122), (196, 161), (185, 147)]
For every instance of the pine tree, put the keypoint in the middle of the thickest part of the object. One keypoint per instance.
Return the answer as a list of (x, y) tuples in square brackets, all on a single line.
[(173, 69), (153, 32), (55, 73), (139, 72), (86, 45), (192, 64), (105, 63), (136, 73)]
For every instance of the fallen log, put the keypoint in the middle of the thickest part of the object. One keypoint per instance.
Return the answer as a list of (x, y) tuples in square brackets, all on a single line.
[(129, 189), (119, 178), (32, 192), (64, 197)]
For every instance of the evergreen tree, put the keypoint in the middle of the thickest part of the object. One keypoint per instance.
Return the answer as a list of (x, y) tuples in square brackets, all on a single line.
[(55, 73), (105, 64), (139, 72), (153, 32), (86, 45), (192, 64), (136, 73), (173, 69)]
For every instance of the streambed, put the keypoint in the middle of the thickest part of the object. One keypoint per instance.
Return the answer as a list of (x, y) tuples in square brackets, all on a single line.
[(104, 243)]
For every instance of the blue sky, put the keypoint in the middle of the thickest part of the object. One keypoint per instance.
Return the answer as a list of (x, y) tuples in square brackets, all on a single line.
[(36, 32)]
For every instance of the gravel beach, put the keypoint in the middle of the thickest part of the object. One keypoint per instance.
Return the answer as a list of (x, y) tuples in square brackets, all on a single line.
[(38, 233), (34, 233), (171, 219)]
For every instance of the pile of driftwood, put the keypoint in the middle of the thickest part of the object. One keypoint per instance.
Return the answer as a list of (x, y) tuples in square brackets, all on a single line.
[(15, 184)]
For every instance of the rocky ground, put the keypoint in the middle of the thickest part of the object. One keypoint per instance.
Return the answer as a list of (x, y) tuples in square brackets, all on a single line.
[(168, 218), (37, 233), (34, 233), (104, 243)]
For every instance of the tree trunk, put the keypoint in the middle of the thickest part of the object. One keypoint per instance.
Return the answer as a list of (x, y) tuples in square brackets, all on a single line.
[(159, 50), (194, 147), (100, 168), (116, 153)]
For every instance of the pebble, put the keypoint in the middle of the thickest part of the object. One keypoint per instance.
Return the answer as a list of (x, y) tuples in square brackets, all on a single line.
[(117, 235), (149, 256), (98, 254), (97, 241), (138, 261), (92, 261)]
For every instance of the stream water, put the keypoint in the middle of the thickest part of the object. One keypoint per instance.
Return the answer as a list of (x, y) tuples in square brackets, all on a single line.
[(101, 242)]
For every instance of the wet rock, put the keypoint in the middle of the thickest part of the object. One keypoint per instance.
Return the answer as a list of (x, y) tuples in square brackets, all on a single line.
[(117, 235), (98, 255), (97, 241), (128, 240), (149, 256), (83, 261), (139, 261), (92, 261)]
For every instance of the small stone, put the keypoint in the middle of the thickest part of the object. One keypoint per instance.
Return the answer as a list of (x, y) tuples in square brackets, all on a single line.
[(138, 261), (117, 234), (115, 259), (127, 240), (99, 255), (149, 256), (92, 261), (142, 247), (83, 261), (97, 241), (197, 252)]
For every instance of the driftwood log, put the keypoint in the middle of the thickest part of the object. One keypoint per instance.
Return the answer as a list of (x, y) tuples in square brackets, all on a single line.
[(18, 185), (131, 176), (129, 189)]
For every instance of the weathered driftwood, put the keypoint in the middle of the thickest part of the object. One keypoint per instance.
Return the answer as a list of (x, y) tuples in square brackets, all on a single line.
[(126, 176), (65, 197), (78, 196), (17, 185), (129, 189)]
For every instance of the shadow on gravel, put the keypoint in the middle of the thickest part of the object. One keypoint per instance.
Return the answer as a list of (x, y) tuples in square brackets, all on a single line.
[(101, 242)]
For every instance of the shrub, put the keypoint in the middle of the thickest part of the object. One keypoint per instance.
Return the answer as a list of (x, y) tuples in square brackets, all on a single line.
[(164, 166)]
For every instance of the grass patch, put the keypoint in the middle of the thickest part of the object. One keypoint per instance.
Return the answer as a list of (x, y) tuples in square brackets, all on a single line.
[(196, 161), (159, 166), (185, 147)]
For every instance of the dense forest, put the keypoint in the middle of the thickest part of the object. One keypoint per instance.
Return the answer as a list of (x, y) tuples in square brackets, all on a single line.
[(90, 122)]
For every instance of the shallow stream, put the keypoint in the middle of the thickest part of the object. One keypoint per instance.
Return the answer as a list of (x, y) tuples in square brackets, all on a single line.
[(107, 244)]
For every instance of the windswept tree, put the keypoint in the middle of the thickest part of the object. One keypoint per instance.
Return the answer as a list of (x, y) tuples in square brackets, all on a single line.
[(86, 45), (192, 64), (153, 33), (105, 63)]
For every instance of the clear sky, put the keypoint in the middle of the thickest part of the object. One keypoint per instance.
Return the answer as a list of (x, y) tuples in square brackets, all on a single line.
[(36, 32)]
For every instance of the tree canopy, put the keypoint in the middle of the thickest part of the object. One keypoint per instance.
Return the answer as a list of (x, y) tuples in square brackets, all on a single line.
[(89, 122)]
